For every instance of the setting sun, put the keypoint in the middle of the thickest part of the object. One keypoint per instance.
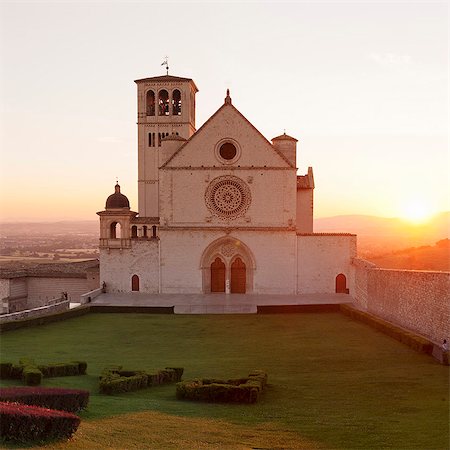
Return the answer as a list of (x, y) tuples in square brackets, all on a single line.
[(416, 212)]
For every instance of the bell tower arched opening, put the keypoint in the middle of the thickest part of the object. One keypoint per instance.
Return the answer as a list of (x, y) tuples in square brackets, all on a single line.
[(150, 103), (115, 230), (176, 102), (163, 102)]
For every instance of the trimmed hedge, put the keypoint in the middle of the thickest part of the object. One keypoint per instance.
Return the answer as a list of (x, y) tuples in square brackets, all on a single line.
[(43, 320), (25, 423), (416, 342), (70, 400), (32, 373), (115, 380), (238, 390)]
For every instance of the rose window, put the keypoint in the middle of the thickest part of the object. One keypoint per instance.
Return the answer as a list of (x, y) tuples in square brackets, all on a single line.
[(227, 197)]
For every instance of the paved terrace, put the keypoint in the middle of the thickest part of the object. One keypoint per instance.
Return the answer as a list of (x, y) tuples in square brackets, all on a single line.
[(217, 303)]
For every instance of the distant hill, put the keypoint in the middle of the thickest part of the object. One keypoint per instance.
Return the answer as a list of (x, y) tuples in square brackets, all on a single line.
[(429, 257), (378, 235), (42, 228)]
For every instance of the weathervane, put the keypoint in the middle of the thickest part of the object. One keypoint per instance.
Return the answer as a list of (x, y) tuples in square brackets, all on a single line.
[(166, 63)]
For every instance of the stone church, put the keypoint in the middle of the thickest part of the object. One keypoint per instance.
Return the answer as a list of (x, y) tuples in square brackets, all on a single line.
[(220, 209)]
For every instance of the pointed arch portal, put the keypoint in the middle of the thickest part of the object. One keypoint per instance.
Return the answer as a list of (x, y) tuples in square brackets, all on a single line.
[(227, 263)]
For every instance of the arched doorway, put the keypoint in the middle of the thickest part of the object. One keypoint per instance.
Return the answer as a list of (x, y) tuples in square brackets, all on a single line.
[(238, 276), (216, 265), (218, 275), (135, 283), (341, 284)]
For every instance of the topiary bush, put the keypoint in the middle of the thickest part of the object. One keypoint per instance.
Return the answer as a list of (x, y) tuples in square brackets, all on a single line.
[(237, 390), (26, 423), (115, 380), (71, 400), (5, 370), (32, 374)]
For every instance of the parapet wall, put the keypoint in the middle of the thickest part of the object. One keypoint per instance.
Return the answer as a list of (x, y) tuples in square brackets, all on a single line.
[(417, 300)]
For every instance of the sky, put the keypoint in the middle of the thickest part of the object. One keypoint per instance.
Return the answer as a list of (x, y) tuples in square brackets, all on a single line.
[(362, 85)]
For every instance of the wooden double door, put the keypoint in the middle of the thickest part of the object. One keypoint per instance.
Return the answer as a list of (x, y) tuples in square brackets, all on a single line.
[(238, 275)]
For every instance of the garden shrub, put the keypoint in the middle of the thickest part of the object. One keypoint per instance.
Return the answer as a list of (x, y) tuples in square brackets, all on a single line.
[(237, 390), (71, 400), (32, 374), (416, 342), (5, 370), (115, 380), (16, 372), (26, 423), (59, 369)]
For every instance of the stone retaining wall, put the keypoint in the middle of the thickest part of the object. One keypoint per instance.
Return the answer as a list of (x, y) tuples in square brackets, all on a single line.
[(416, 300), (36, 312)]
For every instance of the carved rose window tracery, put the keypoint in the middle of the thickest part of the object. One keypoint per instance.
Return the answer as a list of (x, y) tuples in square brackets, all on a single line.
[(227, 197)]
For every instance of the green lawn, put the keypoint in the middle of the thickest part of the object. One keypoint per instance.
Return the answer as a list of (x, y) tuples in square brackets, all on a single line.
[(334, 381)]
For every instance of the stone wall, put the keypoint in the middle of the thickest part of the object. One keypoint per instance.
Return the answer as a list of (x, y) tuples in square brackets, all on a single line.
[(36, 312), (416, 300), (321, 257), (43, 289), (359, 281), (117, 266)]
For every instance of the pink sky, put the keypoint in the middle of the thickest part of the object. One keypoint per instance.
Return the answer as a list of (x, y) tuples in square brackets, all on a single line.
[(363, 86)]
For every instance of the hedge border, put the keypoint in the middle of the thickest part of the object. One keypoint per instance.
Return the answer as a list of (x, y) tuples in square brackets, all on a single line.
[(415, 341), (212, 390), (62, 399), (81, 311), (116, 380), (32, 373), (28, 423)]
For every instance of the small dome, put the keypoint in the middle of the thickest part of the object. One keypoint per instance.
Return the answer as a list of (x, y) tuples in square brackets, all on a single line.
[(117, 200)]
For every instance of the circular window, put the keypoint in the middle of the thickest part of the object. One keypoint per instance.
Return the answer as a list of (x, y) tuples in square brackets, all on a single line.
[(227, 197), (227, 151)]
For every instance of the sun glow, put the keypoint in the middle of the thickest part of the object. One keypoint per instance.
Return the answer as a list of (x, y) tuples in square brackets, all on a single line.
[(416, 212)]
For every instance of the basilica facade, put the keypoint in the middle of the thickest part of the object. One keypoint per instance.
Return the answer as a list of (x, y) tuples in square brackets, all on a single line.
[(220, 209)]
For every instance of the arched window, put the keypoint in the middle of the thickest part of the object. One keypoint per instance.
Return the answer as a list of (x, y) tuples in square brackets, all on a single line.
[(115, 230), (163, 102), (150, 104), (134, 231), (341, 284), (176, 103), (135, 283), (144, 231)]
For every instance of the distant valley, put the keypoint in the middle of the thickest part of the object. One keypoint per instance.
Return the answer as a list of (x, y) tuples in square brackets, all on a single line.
[(388, 242)]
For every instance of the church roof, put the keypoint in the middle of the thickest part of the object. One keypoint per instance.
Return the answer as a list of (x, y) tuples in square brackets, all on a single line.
[(117, 200), (306, 181), (227, 104), (166, 78), (284, 137)]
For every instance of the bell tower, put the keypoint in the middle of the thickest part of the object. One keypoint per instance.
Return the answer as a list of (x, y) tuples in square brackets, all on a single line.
[(166, 106)]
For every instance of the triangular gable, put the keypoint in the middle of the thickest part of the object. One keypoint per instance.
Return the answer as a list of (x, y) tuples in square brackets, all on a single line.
[(205, 135)]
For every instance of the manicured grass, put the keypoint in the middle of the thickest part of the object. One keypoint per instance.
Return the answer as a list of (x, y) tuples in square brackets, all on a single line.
[(332, 381)]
